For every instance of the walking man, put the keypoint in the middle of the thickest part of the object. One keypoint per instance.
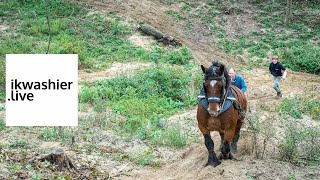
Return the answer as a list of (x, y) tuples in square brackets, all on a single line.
[(279, 72)]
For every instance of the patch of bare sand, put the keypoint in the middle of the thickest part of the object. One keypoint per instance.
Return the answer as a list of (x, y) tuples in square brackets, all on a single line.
[(48, 145), (116, 69), (3, 26), (143, 41)]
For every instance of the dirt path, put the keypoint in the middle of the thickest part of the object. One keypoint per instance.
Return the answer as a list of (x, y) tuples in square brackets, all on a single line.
[(190, 166), (116, 69)]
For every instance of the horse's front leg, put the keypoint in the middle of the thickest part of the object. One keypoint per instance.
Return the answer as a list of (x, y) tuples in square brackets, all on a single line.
[(212, 158)]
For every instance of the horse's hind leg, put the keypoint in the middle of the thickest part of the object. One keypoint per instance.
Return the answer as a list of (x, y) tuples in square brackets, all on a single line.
[(212, 158), (236, 138), (225, 150), (234, 143), (222, 140)]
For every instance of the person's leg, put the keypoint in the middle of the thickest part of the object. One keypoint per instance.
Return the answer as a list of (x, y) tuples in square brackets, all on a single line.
[(276, 85)]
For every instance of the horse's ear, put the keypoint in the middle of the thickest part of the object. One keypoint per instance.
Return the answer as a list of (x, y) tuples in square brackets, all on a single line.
[(221, 70), (204, 69)]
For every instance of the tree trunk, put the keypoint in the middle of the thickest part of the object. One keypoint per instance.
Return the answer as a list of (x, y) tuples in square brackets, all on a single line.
[(289, 12), (165, 39), (58, 157)]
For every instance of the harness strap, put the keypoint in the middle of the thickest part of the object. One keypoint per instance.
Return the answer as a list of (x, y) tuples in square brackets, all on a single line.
[(237, 104), (214, 99), (224, 99)]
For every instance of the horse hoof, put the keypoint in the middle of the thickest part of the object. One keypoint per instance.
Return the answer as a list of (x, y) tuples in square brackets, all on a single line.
[(230, 156), (214, 164)]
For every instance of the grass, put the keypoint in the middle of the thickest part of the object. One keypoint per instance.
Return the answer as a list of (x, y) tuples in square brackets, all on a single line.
[(2, 124), (297, 106), (145, 157), (172, 137), (176, 16), (20, 143), (54, 133)]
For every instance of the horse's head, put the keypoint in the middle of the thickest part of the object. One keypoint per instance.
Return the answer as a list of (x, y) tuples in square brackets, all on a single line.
[(216, 82)]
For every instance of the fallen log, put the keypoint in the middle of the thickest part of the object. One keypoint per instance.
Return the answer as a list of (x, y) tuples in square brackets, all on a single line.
[(165, 39)]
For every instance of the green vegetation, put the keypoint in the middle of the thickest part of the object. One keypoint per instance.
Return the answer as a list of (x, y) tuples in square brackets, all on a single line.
[(20, 143), (297, 45), (301, 144), (171, 137), (2, 124), (54, 133), (177, 16), (145, 157), (145, 98), (298, 105), (101, 39), (294, 44), (98, 39)]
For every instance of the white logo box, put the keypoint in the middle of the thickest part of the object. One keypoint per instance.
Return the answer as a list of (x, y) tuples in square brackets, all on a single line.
[(36, 77)]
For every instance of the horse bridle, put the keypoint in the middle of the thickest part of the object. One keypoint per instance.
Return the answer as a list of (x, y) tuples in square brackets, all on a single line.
[(215, 99)]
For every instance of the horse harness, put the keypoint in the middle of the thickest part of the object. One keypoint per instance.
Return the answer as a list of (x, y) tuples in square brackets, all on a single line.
[(227, 94)]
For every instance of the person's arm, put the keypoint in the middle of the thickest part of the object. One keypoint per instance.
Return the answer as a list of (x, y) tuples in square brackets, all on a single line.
[(283, 69), (270, 68), (284, 74), (243, 85)]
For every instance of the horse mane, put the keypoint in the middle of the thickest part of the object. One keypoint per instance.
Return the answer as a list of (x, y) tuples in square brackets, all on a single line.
[(225, 72)]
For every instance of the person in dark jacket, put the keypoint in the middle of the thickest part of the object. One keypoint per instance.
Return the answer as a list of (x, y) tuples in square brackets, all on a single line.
[(238, 81), (279, 72)]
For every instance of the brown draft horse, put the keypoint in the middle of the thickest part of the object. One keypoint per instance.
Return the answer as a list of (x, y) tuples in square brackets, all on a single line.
[(216, 85)]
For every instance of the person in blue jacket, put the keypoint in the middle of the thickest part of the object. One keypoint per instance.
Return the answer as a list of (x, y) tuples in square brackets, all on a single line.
[(238, 81)]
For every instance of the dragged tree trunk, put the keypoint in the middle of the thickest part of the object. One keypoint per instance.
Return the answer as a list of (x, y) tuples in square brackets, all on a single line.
[(164, 38)]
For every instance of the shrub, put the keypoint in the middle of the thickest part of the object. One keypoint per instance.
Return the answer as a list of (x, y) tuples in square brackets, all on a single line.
[(301, 144), (302, 57)]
